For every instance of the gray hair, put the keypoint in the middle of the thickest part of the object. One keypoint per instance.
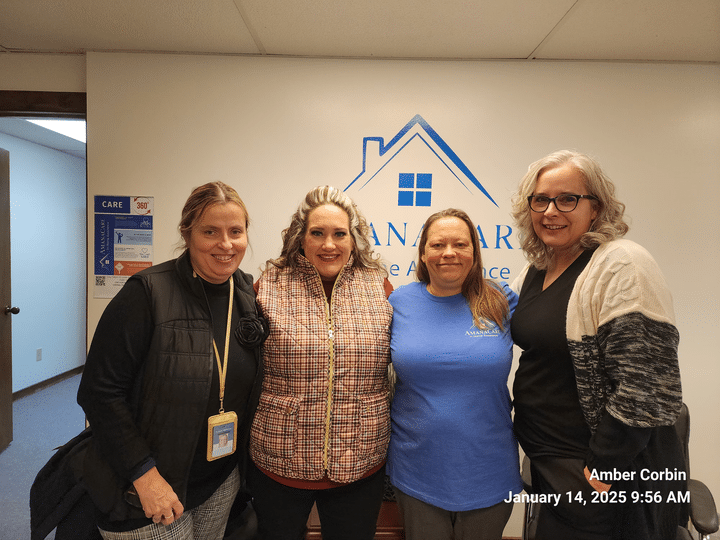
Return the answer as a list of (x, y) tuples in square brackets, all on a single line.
[(608, 225)]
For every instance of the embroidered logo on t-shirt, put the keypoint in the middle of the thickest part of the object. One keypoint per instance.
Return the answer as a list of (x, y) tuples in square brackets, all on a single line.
[(474, 331)]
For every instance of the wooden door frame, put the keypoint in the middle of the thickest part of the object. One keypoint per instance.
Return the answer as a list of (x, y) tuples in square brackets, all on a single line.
[(6, 419), (55, 104)]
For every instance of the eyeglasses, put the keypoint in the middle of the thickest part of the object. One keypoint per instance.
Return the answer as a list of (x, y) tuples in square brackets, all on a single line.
[(567, 202)]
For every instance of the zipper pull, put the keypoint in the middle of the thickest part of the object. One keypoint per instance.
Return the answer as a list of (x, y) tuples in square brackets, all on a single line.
[(331, 334)]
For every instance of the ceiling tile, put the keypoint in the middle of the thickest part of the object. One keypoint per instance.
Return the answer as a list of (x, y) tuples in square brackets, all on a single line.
[(404, 28), (207, 26), (665, 30)]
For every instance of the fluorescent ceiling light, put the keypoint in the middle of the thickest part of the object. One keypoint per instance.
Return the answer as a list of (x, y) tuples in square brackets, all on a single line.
[(70, 128)]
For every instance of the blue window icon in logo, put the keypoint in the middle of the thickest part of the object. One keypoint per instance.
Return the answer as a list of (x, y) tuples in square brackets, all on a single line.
[(415, 189)]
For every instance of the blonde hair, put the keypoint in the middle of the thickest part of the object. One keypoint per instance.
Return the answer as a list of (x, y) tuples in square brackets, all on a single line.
[(608, 225), (484, 296), (359, 230)]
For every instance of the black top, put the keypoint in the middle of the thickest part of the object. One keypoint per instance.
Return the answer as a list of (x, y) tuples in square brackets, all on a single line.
[(133, 316), (548, 418), (206, 476), (549, 421)]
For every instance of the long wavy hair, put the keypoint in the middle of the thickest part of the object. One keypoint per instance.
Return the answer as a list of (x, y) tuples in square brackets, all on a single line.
[(608, 225), (292, 237), (200, 200), (486, 300)]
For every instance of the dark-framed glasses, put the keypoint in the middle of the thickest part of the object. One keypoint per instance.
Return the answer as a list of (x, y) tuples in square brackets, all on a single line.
[(567, 202)]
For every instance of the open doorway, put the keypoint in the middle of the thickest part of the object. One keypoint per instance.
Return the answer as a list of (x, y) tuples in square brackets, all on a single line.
[(47, 254)]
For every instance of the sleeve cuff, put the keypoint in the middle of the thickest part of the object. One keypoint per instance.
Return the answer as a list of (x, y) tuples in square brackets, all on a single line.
[(614, 445), (144, 467)]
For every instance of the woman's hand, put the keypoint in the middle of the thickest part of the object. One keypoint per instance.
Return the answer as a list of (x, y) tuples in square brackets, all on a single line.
[(157, 498), (597, 485)]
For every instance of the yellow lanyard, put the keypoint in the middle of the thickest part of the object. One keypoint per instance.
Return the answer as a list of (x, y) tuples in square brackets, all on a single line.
[(222, 368)]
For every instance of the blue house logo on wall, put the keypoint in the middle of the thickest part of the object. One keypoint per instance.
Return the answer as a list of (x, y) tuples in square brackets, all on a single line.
[(405, 158), (415, 189)]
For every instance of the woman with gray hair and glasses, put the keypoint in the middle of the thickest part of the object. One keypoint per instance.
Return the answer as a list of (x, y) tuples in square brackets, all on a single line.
[(597, 389)]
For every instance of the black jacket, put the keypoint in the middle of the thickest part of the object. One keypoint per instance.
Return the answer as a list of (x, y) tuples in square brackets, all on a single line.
[(156, 406), (56, 499)]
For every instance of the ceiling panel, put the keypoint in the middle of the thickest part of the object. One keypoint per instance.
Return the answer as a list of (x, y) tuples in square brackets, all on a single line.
[(667, 30), (22, 129), (658, 30), (404, 28), (207, 26)]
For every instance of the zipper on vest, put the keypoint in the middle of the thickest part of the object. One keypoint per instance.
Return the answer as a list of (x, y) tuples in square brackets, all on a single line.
[(331, 376)]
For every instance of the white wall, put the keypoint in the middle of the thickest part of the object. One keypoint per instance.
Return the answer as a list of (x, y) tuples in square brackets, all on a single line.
[(42, 72), (159, 125), (48, 250)]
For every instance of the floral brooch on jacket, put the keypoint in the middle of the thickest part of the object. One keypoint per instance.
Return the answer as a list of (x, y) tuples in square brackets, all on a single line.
[(252, 331)]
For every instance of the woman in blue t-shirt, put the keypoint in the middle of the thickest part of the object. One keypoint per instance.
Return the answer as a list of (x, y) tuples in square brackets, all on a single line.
[(453, 459)]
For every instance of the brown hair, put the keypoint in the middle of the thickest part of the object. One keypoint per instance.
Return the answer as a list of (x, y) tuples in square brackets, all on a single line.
[(200, 200), (485, 298)]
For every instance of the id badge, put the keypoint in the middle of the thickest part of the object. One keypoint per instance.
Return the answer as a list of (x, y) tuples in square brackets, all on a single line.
[(222, 435)]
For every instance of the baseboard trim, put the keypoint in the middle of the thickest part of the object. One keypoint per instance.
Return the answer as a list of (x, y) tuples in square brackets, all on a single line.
[(44, 384)]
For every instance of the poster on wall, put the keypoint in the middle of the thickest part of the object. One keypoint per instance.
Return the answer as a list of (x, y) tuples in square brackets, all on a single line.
[(123, 240)]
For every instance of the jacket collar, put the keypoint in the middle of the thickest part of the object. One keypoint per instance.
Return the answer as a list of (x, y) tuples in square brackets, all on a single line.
[(186, 274)]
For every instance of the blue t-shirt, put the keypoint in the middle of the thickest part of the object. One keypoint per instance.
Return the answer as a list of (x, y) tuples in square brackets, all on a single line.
[(452, 442)]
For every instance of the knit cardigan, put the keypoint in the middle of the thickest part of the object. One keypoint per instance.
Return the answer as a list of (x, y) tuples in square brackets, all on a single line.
[(622, 337), (324, 407)]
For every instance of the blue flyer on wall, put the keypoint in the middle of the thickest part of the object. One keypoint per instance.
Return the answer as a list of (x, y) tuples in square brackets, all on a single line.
[(123, 240)]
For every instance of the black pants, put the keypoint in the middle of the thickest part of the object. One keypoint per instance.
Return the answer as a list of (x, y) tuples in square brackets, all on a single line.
[(629, 520), (569, 518), (347, 512)]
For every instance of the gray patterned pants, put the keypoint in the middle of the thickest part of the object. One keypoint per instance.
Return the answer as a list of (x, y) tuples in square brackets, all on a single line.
[(206, 522)]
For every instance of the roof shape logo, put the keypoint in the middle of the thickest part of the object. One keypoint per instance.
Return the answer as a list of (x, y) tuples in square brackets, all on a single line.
[(378, 158)]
